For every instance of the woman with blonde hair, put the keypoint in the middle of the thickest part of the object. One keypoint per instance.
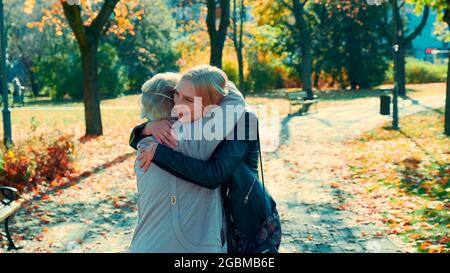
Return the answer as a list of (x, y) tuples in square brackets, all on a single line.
[(174, 215)]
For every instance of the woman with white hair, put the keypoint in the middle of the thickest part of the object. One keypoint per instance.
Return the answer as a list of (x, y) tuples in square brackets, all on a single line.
[(174, 215)]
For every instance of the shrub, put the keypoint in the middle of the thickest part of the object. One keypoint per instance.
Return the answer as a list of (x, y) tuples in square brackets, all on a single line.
[(43, 158), (232, 72), (423, 72), (264, 76), (112, 75), (59, 75), (418, 71)]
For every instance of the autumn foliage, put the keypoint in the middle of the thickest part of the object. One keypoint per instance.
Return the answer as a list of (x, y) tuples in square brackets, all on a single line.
[(40, 159), (124, 14)]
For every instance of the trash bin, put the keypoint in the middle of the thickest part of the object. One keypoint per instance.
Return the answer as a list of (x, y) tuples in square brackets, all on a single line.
[(385, 105)]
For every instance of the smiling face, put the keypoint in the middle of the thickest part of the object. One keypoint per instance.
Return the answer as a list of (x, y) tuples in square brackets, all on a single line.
[(201, 87), (186, 106)]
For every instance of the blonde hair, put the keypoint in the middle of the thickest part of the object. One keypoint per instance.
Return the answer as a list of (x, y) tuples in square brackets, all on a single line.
[(156, 100), (209, 83)]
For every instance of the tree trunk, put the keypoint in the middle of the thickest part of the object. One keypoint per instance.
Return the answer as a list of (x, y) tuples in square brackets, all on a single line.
[(447, 93), (238, 31), (28, 66), (401, 71), (304, 42), (352, 70), (447, 101), (306, 66), (400, 43), (91, 96), (352, 46), (34, 86), (217, 36), (241, 69), (88, 38), (403, 41), (216, 54)]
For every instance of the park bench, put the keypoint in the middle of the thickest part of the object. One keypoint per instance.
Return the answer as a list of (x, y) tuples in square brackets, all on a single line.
[(8, 207), (301, 98)]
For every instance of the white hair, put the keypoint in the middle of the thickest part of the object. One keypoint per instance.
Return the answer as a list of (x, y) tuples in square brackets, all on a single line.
[(156, 100)]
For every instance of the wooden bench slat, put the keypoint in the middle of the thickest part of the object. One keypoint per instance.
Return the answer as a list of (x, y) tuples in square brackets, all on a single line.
[(296, 95), (300, 98), (6, 211), (306, 101)]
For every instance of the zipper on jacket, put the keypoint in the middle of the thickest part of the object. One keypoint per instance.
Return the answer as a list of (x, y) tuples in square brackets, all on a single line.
[(249, 191)]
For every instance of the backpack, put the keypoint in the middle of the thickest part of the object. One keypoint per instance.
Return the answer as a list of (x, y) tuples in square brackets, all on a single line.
[(248, 209)]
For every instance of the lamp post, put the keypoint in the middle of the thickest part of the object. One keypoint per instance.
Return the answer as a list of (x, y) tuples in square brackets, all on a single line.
[(395, 92), (7, 132), (395, 119)]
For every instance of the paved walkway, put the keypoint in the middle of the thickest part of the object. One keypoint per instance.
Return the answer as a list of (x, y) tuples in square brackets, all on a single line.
[(303, 175)]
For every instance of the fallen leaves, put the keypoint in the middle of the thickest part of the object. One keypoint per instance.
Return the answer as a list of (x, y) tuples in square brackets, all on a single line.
[(119, 204), (39, 238), (401, 182), (45, 219), (334, 185), (45, 197)]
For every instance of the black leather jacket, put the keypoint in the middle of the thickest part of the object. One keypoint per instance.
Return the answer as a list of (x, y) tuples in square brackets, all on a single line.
[(212, 173)]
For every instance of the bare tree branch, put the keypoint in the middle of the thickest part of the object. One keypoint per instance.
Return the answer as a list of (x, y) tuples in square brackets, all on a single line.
[(385, 31), (285, 4), (421, 25), (225, 17), (102, 18), (73, 15)]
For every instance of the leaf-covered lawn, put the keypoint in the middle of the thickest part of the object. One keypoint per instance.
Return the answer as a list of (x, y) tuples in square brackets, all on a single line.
[(102, 184), (402, 178), (90, 155)]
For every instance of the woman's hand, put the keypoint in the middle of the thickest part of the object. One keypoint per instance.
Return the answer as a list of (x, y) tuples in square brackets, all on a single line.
[(146, 155), (161, 130)]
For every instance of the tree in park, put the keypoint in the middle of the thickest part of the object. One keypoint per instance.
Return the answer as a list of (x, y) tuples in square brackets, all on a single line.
[(89, 22), (217, 22), (443, 10), (151, 49), (298, 25), (237, 35), (348, 43), (395, 32)]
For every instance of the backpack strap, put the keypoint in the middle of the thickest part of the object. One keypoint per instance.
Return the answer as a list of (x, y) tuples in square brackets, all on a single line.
[(262, 179)]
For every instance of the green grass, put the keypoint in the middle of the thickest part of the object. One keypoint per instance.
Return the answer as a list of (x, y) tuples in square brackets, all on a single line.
[(418, 71), (115, 121)]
